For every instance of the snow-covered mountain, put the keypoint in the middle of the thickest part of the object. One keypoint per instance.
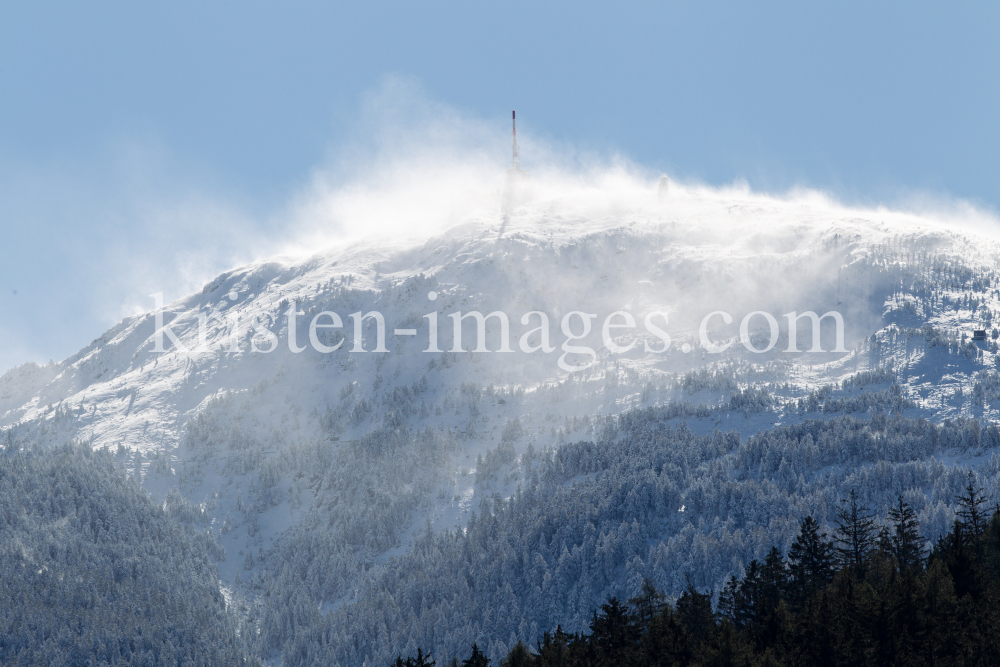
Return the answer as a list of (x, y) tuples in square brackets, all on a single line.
[(333, 480)]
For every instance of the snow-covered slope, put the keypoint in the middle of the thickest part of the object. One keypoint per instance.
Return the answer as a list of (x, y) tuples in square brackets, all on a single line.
[(688, 255), (403, 438)]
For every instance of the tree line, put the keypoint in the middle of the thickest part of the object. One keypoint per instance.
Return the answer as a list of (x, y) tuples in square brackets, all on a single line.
[(876, 593)]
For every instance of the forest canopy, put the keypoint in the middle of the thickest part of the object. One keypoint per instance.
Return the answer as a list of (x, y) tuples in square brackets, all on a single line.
[(93, 573)]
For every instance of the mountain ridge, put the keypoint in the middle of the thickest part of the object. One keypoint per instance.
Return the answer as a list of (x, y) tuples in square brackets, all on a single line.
[(349, 457)]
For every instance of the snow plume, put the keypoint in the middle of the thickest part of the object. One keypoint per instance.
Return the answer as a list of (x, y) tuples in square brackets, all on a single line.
[(691, 249), (424, 171), (414, 170), (90, 242)]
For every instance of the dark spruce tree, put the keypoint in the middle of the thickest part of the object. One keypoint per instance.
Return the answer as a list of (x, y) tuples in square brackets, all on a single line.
[(905, 542), (811, 562), (856, 534), (647, 604), (477, 659), (613, 634), (420, 661), (972, 517), (755, 603), (553, 649), (519, 656)]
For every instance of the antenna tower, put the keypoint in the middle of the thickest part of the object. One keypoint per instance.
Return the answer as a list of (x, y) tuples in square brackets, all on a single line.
[(517, 159)]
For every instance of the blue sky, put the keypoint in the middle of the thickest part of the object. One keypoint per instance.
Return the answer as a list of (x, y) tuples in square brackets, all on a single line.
[(136, 139)]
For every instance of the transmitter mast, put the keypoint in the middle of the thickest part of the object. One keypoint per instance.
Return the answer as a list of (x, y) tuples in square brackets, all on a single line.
[(517, 158)]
